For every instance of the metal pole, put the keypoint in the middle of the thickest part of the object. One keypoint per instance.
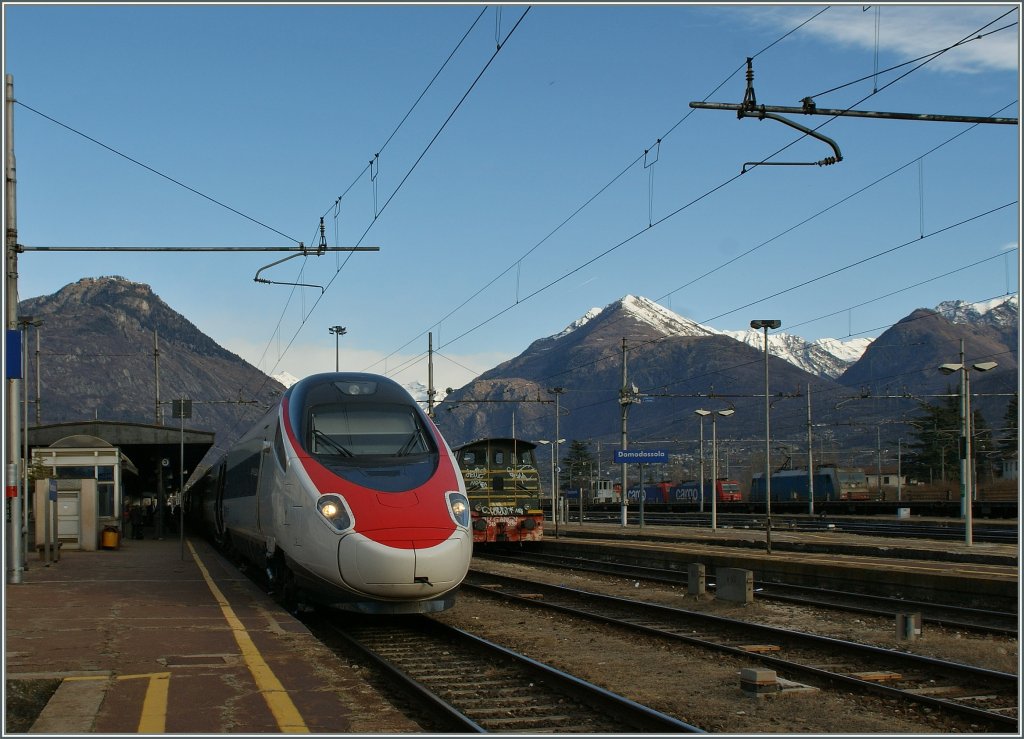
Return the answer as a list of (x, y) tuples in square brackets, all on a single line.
[(899, 469), (24, 457), (767, 455), (48, 525), (966, 465), (810, 456), (39, 386), (878, 445), (625, 410), (12, 495), (430, 373), (553, 486), (581, 492), (714, 471), (338, 332), (156, 372), (702, 464), (181, 483), (554, 458)]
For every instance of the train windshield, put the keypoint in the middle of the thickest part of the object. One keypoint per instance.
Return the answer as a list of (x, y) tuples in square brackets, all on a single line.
[(367, 430)]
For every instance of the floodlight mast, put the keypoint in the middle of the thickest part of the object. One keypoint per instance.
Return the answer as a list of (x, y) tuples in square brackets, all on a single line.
[(966, 433), (767, 324)]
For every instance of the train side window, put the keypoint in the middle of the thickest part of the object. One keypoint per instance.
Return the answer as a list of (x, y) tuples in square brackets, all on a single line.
[(279, 453), (469, 457), (499, 458)]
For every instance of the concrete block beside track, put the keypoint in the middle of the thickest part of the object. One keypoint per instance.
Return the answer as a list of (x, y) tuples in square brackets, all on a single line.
[(734, 584)]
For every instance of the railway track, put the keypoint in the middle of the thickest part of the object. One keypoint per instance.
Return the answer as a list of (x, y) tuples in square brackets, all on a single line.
[(951, 616), (987, 698), (475, 686), (937, 530)]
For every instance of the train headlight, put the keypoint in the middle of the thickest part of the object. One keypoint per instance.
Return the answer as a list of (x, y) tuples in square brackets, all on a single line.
[(333, 508), (459, 505)]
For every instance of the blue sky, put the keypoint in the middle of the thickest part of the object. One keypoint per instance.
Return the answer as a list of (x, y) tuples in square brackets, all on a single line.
[(516, 194)]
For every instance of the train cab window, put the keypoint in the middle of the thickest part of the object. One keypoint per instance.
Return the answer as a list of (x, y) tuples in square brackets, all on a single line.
[(369, 430), (524, 458), (279, 452)]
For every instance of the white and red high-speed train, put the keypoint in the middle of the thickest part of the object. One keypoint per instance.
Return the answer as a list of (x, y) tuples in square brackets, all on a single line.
[(348, 495)]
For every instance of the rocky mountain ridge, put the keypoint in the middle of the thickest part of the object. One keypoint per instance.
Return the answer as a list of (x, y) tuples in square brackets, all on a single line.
[(106, 340), (98, 361)]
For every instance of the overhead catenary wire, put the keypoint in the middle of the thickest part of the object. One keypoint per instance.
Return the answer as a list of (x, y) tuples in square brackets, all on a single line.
[(622, 172), (157, 172), (576, 367), (741, 255), (850, 108), (521, 299), (404, 179), (336, 205)]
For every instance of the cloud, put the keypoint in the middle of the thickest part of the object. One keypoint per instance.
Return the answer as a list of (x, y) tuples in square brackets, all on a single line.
[(911, 31)]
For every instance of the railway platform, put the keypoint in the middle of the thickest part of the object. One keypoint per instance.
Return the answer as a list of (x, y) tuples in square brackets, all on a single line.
[(165, 636), (983, 575)]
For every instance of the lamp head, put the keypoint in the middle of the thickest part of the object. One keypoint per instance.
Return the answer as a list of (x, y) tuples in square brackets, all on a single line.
[(985, 366), (773, 323), (726, 412), (702, 412), (948, 369)]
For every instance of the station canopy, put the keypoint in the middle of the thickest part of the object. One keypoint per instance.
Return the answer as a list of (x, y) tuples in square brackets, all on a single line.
[(154, 451)]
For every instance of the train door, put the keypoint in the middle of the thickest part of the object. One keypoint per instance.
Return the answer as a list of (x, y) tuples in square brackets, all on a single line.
[(264, 487), (218, 504)]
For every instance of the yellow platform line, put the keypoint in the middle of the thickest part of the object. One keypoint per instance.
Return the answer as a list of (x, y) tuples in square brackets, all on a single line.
[(288, 718), (154, 706)]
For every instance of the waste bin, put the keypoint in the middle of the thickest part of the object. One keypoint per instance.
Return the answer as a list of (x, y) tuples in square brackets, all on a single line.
[(111, 538)]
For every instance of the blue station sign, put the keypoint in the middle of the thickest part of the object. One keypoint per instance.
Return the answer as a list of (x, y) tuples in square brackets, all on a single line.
[(640, 456)]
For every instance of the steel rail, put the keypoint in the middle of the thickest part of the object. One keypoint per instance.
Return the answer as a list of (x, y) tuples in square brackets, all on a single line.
[(1006, 680), (931, 613), (605, 708)]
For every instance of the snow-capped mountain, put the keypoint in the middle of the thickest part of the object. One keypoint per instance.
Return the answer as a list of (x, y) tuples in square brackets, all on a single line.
[(286, 378), (646, 311), (418, 391), (824, 357), (998, 312)]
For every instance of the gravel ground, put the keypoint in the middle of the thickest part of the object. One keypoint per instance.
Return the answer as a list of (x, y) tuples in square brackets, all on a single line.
[(702, 688), (24, 700)]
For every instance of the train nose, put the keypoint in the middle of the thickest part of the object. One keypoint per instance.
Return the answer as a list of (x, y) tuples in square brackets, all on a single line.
[(408, 564)]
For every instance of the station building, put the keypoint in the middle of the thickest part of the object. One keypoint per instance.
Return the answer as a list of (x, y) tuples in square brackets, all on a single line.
[(87, 472)]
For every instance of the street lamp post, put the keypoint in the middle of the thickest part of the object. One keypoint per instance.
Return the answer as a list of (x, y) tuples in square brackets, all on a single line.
[(767, 324), (557, 392), (899, 470), (714, 460), (966, 462), (702, 413), (338, 332), (554, 493)]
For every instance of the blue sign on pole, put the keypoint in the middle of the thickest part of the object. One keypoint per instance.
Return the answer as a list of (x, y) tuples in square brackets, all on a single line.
[(640, 456), (12, 363)]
